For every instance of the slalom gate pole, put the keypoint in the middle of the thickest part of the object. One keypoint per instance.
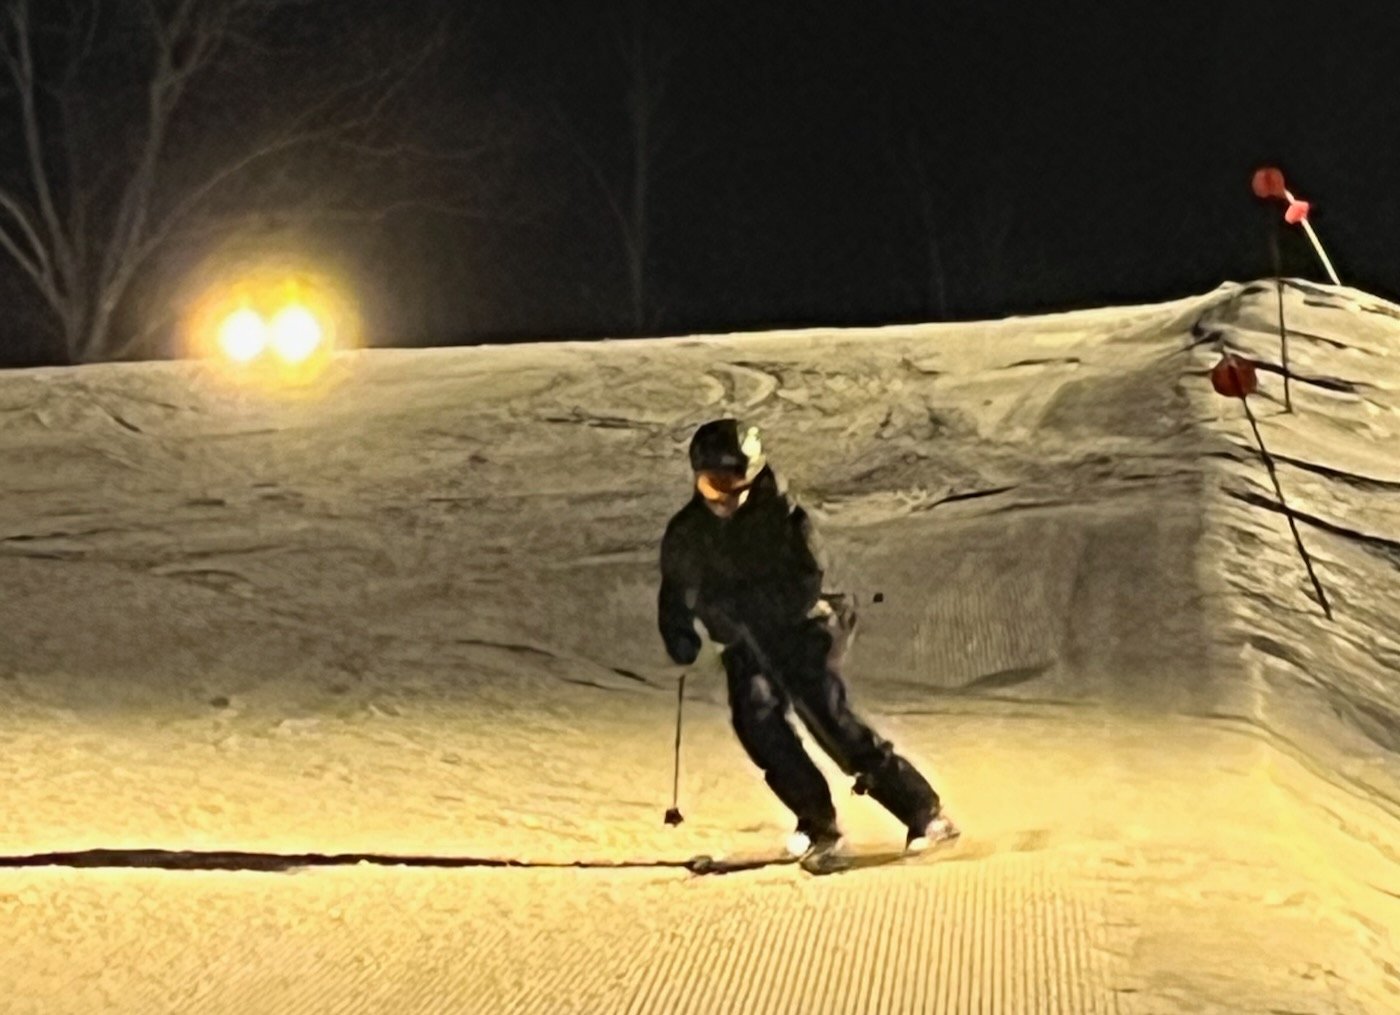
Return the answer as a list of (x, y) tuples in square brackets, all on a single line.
[(1282, 327), (1236, 377), (1287, 512)]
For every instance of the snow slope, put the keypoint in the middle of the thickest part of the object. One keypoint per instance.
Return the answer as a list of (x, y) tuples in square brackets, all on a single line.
[(412, 612)]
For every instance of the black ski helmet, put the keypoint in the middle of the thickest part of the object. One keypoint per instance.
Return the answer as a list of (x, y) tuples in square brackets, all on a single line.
[(726, 445)]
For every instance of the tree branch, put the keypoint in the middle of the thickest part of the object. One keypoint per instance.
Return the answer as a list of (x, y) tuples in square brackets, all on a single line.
[(593, 169), (21, 64), (35, 265), (32, 269), (115, 154), (86, 19), (197, 195), (40, 256), (184, 45)]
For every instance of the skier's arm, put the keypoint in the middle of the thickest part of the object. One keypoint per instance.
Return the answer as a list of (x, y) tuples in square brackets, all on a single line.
[(808, 556), (674, 616)]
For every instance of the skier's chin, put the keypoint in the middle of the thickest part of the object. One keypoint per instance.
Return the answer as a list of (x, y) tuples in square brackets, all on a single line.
[(726, 507)]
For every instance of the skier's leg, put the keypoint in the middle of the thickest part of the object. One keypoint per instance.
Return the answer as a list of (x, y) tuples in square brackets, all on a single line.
[(812, 674), (759, 710)]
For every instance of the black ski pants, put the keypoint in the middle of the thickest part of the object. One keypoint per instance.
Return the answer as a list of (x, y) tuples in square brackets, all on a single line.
[(801, 670)]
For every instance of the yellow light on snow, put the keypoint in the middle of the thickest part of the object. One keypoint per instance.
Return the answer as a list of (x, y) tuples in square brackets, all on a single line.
[(243, 335), (296, 334)]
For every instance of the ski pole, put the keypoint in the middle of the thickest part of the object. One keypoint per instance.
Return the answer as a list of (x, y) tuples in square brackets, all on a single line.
[(673, 816)]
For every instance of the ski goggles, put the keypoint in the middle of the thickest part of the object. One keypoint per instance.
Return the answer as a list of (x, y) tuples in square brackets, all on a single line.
[(718, 485)]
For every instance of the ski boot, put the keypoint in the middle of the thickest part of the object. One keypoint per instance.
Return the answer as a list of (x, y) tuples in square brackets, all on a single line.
[(816, 849), (929, 829)]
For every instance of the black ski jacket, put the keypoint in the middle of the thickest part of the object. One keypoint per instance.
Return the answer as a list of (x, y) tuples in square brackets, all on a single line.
[(758, 570)]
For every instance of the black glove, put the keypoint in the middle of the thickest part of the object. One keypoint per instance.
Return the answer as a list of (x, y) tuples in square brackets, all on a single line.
[(683, 646)]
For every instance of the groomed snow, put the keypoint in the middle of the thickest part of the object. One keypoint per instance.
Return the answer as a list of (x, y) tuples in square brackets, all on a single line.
[(411, 611)]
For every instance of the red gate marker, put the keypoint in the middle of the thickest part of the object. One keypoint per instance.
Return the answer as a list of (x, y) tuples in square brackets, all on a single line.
[(1234, 377), (1268, 183)]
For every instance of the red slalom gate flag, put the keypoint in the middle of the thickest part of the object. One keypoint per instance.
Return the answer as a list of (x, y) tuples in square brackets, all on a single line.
[(1268, 185)]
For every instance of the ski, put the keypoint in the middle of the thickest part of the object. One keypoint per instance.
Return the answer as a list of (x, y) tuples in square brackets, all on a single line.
[(704, 865), (818, 863)]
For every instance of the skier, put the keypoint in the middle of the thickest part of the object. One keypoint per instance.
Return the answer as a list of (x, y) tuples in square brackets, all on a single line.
[(741, 558)]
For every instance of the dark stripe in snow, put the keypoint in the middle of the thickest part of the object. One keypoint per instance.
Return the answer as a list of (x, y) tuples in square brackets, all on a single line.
[(190, 860), (1387, 549)]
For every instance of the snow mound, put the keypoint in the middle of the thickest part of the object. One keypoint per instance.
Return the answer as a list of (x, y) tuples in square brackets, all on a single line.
[(412, 611), (450, 554)]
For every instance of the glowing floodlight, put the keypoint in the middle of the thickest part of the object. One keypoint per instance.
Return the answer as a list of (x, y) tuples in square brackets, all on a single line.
[(296, 334), (243, 336), (278, 328)]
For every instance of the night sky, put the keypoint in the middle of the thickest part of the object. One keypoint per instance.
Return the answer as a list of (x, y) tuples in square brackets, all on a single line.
[(843, 163)]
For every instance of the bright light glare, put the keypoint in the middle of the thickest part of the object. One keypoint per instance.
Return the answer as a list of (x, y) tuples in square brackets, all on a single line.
[(243, 335), (296, 334)]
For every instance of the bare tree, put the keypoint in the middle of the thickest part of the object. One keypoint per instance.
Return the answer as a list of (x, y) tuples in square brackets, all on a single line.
[(622, 167), (137, 121), (978, 230), (645, 92), (910, 160)]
